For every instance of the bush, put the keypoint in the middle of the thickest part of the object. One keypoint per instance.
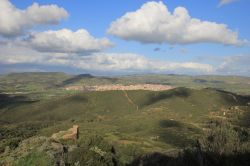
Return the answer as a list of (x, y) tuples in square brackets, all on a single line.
[(221, 139), (93, 151), (35, 158)]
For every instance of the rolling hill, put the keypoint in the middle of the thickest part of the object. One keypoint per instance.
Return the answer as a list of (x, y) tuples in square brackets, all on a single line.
[(133, 116), (39, 82), (134, 122)]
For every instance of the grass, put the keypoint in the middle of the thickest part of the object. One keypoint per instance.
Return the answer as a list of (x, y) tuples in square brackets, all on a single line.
[(175, 116), (155, 121), (35, 158)]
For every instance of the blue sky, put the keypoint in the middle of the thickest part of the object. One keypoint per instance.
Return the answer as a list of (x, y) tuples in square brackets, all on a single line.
[(129, 50)]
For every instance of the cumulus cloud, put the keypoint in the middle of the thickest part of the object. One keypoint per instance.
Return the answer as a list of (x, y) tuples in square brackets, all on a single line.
[(235, 65), (15, 21), (154, 23), (99, 62), (127, 62), (15, 54), (66, 41), (225, 2)]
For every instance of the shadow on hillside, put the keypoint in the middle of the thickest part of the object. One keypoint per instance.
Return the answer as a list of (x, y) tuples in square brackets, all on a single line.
[(200, 81), (169, 123), (232, 98), (192, 158), (245, 120), (12, 100), (177, 133), (203, 81), (78, 98), (77, 78), (238, 100), (174, 133), (175, 138), (178, 92)]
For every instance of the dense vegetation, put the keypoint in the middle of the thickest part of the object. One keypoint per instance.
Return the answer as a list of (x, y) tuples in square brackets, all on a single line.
[(181, 126)]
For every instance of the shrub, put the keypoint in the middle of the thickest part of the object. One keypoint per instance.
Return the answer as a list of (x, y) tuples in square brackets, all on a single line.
[(221, 139), (35, 158), (93, 151)]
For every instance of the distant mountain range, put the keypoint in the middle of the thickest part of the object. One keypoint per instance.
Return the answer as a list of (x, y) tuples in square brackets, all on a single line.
[(38, 81)]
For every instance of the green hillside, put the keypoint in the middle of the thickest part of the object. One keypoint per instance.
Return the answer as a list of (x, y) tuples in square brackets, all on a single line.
[(179, 100), (176, 116), (26, 82), (125, 125)]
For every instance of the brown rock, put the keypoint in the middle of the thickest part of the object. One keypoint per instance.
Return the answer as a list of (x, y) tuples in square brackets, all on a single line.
[(70, 134)]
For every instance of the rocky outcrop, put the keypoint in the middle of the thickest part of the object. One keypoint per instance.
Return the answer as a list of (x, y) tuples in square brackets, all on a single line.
[(70, 134)]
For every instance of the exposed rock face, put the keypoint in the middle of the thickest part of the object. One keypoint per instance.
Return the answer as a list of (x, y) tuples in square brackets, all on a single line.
[(151, 87), (70, 134)]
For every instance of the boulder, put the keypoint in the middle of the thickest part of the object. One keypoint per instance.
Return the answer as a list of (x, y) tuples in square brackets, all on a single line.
[(70, 134)]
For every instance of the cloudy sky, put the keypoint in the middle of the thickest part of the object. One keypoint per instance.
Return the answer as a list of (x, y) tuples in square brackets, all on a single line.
[(125, 37)]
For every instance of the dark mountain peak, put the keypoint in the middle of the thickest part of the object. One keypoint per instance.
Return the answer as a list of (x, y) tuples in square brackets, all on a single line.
[(84, 76), (77, 78)]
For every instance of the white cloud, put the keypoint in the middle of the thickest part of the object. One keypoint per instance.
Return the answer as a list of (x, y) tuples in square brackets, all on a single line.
[(14, 54), (153, 23), (225, 2), (235, 65), (99, 62), (66, 41), (14, 21)]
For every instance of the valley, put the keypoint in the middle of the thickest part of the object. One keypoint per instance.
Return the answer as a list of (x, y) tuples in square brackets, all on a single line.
[(133, 119)]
